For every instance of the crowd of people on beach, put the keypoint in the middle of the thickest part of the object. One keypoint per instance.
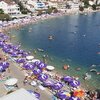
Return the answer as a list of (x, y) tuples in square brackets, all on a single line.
[(35, 70), (17, 23), (19, 57)]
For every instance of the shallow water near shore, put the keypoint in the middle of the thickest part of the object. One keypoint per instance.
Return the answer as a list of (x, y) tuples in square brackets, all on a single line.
[(76, 42)]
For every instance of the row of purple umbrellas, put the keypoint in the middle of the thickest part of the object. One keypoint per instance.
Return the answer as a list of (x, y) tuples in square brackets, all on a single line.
[(3, 36), (72, 82), (30, 66), (13, 50), (37, 68)]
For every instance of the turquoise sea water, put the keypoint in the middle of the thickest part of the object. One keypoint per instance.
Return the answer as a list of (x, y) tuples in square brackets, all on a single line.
[(76, 42)]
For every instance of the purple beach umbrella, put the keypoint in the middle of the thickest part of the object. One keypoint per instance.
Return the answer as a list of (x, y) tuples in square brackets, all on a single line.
[(14, 54), (37, 71), (1, 68), (75, 83), (5, 37), (21, 60), (24, 54), (63, 94), (36, 94), (2, 43), (16, 47), (49, 83), (5, 64), (57, 86), (67, 78), (42, 65), (20, 51), (36, 63), (28, 66), (74, 98), (43, 77)]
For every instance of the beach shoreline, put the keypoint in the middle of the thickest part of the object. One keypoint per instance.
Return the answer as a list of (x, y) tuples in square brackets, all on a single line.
[(36, 19), (19, 25)]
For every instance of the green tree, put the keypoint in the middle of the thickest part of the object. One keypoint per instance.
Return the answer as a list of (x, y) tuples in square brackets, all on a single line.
[(86, 3), (1, 11), (49, 10), (22, 8), (39, 12), (81, 8), (55, 10), (94, 7), (5, 17)]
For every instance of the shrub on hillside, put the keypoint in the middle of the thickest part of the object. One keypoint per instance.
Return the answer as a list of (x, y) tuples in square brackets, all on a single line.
[(5, 17)]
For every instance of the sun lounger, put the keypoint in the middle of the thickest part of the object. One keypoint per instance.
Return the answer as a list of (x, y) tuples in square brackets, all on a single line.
[(41, 87)]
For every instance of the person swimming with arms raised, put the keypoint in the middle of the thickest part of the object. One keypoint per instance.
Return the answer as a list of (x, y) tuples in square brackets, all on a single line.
[(50, 37)]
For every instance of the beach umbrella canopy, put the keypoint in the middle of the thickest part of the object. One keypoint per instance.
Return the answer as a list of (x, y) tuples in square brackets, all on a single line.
[(74, 98), (5, 37), (5, 64), (1, 43), (14, 54), (6, 50), (20, 60), (43, 77), (16, 47), (36, 94), (48, 83), (28, 66), (24, 54), (1, 68), (37, 63), (37, 71), (11, 51), (20, 51), (11, 81), (79, 93), (50, 68), (33, 83), (67, 78), (75, 83), (42, 65), (34, 60), (57, 86), (63, 94), (29, 57), (1, 34)]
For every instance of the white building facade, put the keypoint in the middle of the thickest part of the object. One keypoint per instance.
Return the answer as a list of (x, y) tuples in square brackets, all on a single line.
[(11, 9)]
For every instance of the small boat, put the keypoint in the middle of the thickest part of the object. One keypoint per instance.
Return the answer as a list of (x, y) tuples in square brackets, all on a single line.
[(78, 68), (41, 50), (50, 37), (93, 70), (66, 67)]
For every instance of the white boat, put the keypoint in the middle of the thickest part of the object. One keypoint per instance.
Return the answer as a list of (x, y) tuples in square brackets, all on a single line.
[(50, 37), (41, 50)]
